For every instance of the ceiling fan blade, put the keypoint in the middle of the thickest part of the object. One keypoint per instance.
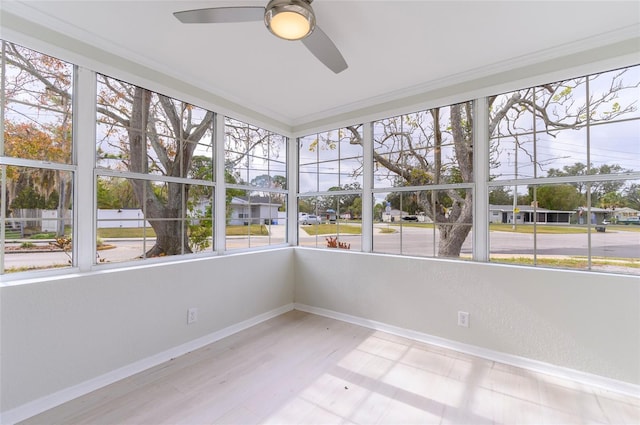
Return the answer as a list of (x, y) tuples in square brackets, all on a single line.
[(323, 48), (216, 15)]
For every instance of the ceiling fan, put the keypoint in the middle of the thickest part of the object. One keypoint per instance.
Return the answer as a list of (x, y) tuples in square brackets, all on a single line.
[(287, 19)]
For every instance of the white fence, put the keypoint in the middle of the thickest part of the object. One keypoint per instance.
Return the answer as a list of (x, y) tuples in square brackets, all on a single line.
[(129, 218), (45, 220)]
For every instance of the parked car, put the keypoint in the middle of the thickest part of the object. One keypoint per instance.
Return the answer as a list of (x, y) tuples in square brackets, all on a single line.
[(410, 218), (310, 219)]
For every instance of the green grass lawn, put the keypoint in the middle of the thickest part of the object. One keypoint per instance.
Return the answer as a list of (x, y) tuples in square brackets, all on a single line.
[(557, 229), (528, 228), (253, 230), (411, 224), (106, 233), (520, 228), (332, 229), (570, 262), (624, 228), (123, 232)]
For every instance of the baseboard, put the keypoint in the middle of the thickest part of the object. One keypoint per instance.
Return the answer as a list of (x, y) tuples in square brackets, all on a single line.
[(608, 384), (50, 401)]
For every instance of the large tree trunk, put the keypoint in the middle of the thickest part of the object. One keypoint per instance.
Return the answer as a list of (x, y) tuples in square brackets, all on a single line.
[(170, 239), (452, 236), (165, 216)]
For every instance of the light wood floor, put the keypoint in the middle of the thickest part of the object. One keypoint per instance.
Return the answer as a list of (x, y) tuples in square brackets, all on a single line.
[(300, 368)]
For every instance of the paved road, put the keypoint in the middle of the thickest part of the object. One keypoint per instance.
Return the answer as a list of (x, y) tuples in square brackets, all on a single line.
[(411, 241), (423, 242)]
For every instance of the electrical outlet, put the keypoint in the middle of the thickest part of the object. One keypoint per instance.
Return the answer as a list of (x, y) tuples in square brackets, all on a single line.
[(463, 319), (192, 315)]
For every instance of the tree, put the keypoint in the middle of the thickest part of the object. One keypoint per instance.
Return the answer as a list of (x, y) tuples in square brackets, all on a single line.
[(31, 187), (141, 131), (436, 146), (598, 189), (500, 196), (563, 197), (341, 203), (273, 182), (38, 122), (431, 147), (632, 196), (115, 193), (355, 210), (404, 201), (612, 200), (155, 134)]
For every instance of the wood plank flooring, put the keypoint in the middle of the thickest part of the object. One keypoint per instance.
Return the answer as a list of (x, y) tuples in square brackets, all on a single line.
[(299, 368)]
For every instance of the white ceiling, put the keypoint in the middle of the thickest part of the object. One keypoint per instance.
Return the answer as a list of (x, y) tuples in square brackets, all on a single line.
[(393, 48)]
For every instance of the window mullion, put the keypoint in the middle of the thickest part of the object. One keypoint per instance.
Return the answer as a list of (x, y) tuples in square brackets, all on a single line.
[(219, 207), (84, 137), (367, 188), (481, 176)]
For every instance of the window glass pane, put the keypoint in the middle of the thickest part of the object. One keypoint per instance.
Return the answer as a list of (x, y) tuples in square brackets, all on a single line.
[(404, 227), (308, 178), (255, 219), (587, 126), (615, 246), (142, 133), (39, 218), (433, 147), (328, 175), (330, 221), (553, 222), (331, 160), (37, 101), (428, 147), (145, 132), (254, 156), (573, 133), (200, 218), (454, 241), (559, 105), (615, 94), (562, 153), (509, 240), (615, 147), (256, 163), (172, 219)]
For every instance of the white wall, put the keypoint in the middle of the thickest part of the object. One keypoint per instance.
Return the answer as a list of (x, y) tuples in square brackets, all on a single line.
[(61, 332), (584, 321)]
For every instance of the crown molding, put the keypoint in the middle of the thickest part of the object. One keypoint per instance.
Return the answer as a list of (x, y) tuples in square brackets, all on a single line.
[(23, 21), (620, 48), (555, 63)]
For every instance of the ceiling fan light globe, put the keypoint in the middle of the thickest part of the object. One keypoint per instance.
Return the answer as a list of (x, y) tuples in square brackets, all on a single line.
[(289, 25), (289, 19)]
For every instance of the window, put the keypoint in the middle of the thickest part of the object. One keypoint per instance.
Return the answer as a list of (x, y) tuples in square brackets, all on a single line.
[(155, 168), (256, 194), (563, 191), (423, 170), (36, 161), (330, 186), (565, 159)]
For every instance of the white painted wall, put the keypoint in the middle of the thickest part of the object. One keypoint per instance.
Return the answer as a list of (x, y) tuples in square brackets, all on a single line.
[(584, 321), (61, 332)]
